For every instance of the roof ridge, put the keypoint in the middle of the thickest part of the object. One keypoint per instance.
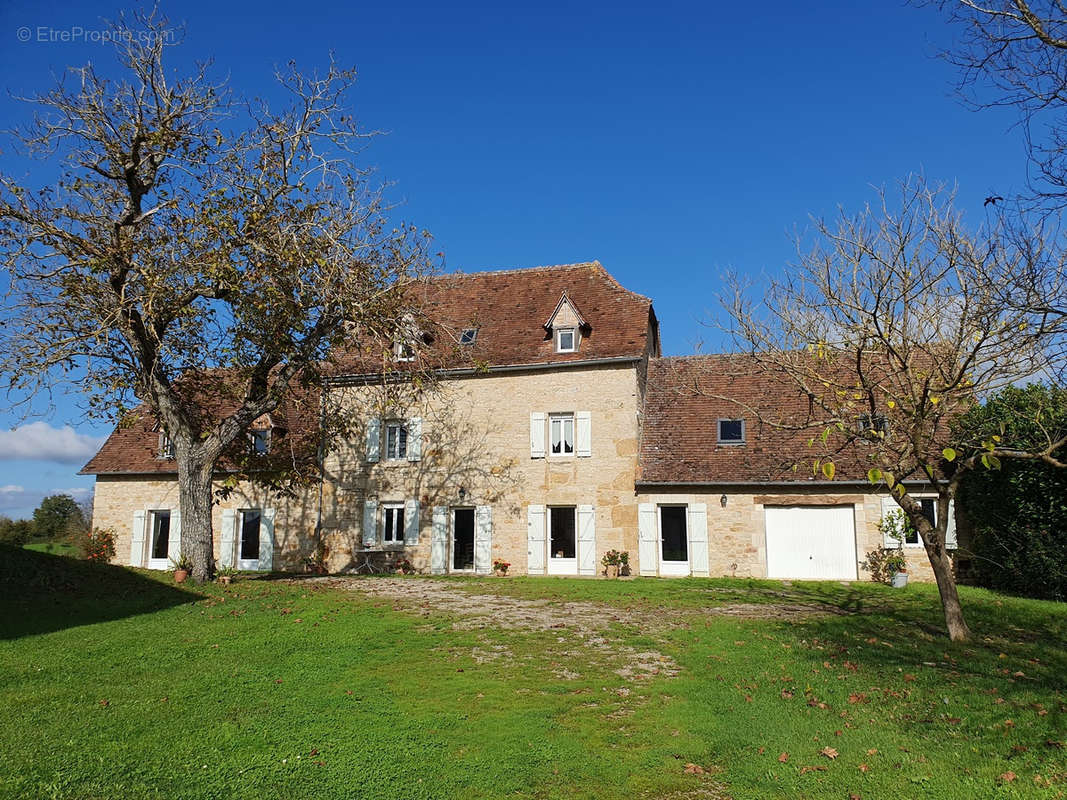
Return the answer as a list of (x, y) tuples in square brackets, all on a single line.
[(516, 270)]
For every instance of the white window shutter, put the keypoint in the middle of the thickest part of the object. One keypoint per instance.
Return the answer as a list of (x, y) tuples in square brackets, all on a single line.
[(439, 541), (370, 523), (137, 534), (537, 435), (583, 421), (535, 537), (889, 505), (374, 436), (951, 543), (415, 439), (266, 539), (698, 539), (174, 542), (586, 540), (648, 541), (226, 540), (483, 539), (411, 522)]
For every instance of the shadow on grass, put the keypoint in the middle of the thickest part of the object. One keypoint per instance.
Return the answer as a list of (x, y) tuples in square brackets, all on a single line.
[(42, 593)]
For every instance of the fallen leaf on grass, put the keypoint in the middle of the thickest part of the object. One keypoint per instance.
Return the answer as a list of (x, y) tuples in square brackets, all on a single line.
[(694, 769), (104, 703), (829, 752), (873, 751), (783, 758), (864, 768), (786, 694), (858, 697), (1007, 777), (804, 770)]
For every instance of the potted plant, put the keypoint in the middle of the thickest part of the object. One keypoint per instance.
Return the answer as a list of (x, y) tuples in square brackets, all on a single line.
[(226, 575), (897, 568), (888, 564), (612, 561), (315, 563), (500, 568), (182, 568), (403, 566), (624, 562)]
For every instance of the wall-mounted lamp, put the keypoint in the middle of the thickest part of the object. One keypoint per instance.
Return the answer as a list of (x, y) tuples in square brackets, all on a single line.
[(462, 493), (722, 501)]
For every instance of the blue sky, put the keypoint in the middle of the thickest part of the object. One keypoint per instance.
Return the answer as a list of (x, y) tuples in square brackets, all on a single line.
[(672, 141)]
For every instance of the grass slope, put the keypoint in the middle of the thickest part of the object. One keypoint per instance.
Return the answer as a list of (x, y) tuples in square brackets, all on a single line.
[(114, 682)]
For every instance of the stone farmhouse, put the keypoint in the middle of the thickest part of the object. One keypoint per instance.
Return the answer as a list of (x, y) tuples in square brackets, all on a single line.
[(572, 437)]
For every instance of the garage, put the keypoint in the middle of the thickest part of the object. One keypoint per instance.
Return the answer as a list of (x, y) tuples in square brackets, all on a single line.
[(811, 542)]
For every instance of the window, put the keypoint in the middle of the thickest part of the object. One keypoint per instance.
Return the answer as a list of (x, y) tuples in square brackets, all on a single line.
[(166, 446), (561, 536), (248, 549), (404, 351), (566, 340), (561, 434), (392, 523), (396, 441), (731, 431), (160, 544), (869, 427), (259, 441), (468, 336)]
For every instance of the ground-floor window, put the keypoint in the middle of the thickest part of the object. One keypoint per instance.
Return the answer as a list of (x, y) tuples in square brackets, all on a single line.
[(674, 538), (561, 532), (463, 539), (248, 549), (393, 523), (159, 544)]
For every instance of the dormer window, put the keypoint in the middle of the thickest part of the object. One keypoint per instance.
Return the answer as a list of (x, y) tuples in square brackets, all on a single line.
[(166, 446), (731, 431), (468, 336), (404, 351), (259, 441), (566, 340)]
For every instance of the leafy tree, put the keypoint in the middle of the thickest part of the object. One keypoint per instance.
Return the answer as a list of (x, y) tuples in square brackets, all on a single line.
[(195, 240), (892, 322), (53, 516), (15, 531), (1018, 513)]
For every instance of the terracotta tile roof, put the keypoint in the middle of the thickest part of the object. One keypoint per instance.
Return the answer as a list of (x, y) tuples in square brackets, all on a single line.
[(133, 447), (684, 401), (509, 309)]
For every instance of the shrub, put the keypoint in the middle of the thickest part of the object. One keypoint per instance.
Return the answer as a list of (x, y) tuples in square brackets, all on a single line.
[(15, 532), (884, 562), (96, 545)]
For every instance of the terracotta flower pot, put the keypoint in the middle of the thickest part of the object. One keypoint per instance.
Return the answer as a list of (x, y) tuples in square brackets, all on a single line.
[(225, 580), (612, 570), (180, 575)]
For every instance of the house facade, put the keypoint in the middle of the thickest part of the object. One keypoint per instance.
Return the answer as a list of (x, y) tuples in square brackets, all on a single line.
[(570, 436)]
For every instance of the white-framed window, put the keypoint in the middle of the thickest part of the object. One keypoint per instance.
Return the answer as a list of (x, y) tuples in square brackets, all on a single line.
[(159, 544), (468, 336), (869, 427), (566, 340), (404, 351), (259, 441), (250, 523), (166, 446), (392, 523), (561, 434), (562, 533), (905, 534), (731, 431), (396, 440)]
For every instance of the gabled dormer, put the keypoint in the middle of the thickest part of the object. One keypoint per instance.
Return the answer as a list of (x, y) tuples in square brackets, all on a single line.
[(567, 326)]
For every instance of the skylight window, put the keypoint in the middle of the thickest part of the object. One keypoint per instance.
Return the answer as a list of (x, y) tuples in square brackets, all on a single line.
[(468, 336)]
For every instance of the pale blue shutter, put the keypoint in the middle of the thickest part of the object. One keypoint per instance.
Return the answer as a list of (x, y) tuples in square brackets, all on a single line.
[(411, 522), (537, 435), (951, 543), (174, 540), (439, 541), (583, 421), (370, 523), (889, 537), (137, 535), (586, 540), (229, 536), (535, 538), (648, 541), (483, 539), (415, 439), (266, 539), (374, 429), (698, 539)]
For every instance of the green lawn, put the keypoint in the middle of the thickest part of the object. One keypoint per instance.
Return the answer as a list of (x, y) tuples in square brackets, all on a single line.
[(115, 683), (56, 548)]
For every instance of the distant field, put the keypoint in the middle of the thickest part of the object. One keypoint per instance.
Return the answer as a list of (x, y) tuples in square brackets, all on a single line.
[(116, 683), (56, 548)]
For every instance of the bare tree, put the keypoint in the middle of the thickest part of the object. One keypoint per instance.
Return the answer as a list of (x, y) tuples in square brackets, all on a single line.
[(892, 323), (193, 237)]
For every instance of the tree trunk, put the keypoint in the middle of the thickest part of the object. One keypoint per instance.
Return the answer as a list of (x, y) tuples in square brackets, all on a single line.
[(194, 495), (950, 598)]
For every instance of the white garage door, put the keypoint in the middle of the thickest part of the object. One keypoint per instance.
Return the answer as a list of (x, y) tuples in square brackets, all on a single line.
[(811, 542)]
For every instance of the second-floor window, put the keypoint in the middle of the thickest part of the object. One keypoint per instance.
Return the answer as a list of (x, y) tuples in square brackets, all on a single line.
[(566, 340), (396, 441), (561, 434), (259, 441), (166, 446)]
